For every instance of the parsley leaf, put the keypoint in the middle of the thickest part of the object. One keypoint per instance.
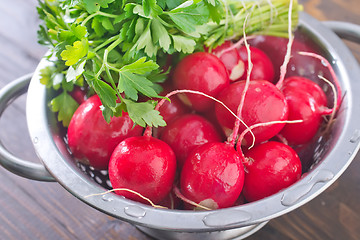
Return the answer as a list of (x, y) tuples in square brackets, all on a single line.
[(118, 48), (65, 106), (144, 114), (93, 6), (74, 53), (130, 84)]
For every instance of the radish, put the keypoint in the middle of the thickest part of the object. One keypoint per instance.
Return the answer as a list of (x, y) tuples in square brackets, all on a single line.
[(275, 48), (145, 165), (91, 139), (270, 167), (214, 163), (212, 176), (306, 101), (231, 59), (263, 103), (263, 68), (188, 132), (202, 72)]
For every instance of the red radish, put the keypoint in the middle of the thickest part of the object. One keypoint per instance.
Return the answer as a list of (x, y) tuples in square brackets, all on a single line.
[(188, 132), (171, 110), (305, 84), (309, 104), (263, 68), (263, 103), (202, 72), (145, 165), (231, 59), (306, 101), (91, 139), (270, 167), (275, 48), (212, 176)]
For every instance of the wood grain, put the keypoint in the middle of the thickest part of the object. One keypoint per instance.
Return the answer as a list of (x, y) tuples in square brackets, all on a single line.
[(38, 210)]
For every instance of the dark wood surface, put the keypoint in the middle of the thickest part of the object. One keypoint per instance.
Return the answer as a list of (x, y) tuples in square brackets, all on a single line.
[(39, 210)]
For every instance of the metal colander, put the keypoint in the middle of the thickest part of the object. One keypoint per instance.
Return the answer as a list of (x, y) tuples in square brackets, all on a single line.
[(329, 156)]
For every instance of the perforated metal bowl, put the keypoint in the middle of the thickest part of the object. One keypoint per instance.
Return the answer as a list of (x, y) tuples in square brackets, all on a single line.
[(331, 156)]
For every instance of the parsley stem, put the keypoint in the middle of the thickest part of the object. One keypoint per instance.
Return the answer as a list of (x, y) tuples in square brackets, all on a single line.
[(113, 38), (98, 13)]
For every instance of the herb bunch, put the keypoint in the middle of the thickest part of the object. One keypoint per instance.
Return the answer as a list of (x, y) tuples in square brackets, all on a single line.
[(119, 48)]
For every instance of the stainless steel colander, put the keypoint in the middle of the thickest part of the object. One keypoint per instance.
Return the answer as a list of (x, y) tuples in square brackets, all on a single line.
[(330, 158)]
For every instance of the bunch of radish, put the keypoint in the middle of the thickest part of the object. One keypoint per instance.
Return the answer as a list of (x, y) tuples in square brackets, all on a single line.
[(233, 125)]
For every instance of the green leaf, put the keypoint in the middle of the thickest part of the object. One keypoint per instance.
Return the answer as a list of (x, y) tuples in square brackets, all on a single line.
[(106, 93), (74, 53), (184, 22), (43, 36), (79, 31), (93, 6), (46, 75), (65, 106), (141, 66), (107, 24), (160, 34), (107, 113), (131, 84), (147, 6), (171, 4), (97, 26), (144, 114), (183, 44), (145, 41)]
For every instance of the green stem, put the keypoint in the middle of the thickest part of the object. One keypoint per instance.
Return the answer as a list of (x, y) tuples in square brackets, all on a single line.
[(103, 44), (96, 14)]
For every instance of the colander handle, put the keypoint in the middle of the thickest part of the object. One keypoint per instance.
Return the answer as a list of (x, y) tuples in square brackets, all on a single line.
[(345, 30), (34, 171)]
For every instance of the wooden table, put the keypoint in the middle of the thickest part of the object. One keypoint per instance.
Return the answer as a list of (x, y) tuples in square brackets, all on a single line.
[(39, 210)]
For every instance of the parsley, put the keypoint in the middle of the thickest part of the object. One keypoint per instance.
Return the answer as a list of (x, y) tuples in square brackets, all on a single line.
[(118, 47)]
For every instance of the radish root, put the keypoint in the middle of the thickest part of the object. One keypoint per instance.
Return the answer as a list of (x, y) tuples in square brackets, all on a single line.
[(333, 112), (238, 146), (288, 50), (326, 63), (127, 190), (182, 197), (233, 136)]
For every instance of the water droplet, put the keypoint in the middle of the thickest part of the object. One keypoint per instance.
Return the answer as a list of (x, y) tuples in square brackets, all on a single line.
[(107, 198), (355, 137), (323, 63), (35, 140), (135, 211)]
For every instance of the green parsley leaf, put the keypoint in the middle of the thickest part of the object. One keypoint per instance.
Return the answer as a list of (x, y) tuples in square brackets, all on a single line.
[(130, 83), (144, 114), (160, 34), (65, 106), (140, 66), (106, 93), (46, 75), (183, 44), (93, 6), (74, 53)]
